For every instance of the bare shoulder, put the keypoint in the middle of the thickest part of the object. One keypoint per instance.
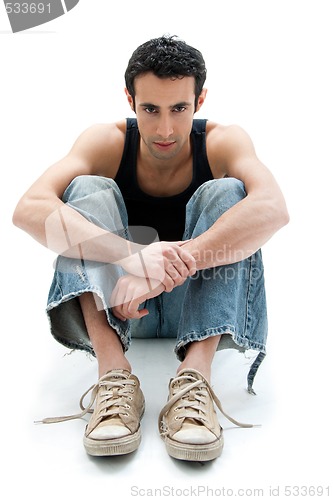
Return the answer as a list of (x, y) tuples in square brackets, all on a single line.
[(226, 144), (97, 151), (228, 136), (100, 147)]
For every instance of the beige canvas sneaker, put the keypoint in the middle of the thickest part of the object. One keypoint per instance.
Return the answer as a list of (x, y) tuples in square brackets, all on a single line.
[(188, 422), (114, 427)]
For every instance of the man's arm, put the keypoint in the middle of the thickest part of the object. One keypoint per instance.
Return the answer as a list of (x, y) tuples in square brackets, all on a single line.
[(245, 227), (239, 232), (43, 215)]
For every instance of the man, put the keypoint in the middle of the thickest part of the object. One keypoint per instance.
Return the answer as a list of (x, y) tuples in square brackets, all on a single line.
[(196, 274)]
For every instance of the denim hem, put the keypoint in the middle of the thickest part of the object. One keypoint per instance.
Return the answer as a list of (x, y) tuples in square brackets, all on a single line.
[(239, 342), (73, 345), (83, 343)]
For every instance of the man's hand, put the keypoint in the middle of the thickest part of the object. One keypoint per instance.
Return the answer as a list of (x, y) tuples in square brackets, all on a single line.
[(130, 292), (167, 262)]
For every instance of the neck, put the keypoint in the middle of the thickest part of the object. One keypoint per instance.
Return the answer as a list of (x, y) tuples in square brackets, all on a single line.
[(150, 162)]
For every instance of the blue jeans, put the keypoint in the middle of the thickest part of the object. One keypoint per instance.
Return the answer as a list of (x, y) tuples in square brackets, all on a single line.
[(228, 300)]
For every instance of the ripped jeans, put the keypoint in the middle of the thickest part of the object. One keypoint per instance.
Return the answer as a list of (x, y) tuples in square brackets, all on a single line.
[(226, 300)]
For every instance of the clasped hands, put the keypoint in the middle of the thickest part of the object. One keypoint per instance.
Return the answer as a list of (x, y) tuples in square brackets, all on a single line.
[(158, 267)]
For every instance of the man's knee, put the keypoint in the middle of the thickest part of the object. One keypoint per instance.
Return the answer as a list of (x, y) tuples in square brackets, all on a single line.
[(211, 200), (85, 185), (224, 192)]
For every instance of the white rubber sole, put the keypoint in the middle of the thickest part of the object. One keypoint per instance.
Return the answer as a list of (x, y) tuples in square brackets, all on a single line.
[(110, 447), (194, 452)]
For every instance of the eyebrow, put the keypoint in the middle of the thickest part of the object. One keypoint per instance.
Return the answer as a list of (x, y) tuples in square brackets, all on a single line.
[(178, 104)]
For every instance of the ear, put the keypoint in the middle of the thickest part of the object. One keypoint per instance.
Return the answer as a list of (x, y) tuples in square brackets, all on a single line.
[(130, 99), (201, 99)]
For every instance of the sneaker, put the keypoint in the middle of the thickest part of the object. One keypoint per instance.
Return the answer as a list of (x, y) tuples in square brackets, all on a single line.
[(188, 422), (114, 427)]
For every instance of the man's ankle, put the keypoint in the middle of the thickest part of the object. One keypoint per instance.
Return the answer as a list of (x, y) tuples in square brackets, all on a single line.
[(105, 368), (204, 370)]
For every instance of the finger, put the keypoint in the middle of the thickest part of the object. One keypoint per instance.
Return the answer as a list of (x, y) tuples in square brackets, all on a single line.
[(125, 316), (132, 307), (189, 261), (117, 297), (117, 314), (177, 264), (134, 312), (168, 282), (130, 310), (182, 242), (181, 252), (134, 297)]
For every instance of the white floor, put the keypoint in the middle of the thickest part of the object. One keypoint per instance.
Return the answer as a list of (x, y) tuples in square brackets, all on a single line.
[(55, 452)]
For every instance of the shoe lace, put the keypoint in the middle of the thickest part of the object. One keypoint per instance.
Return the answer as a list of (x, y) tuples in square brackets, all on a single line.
[(191, 402), (114, 395)]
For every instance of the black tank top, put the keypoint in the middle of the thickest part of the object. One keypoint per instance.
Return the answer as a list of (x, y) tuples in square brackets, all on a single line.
[(165, 214)]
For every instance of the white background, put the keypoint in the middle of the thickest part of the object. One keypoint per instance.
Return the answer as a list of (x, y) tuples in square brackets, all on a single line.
[(270, 71)]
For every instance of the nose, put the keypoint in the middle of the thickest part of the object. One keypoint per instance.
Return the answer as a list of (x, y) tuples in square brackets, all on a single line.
[(164, 127)]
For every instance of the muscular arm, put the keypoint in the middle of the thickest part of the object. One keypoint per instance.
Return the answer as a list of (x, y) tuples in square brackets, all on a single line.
[(245, 227), (43, 215)]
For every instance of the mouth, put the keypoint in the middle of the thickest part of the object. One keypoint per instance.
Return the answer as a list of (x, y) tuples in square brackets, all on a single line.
[(164, 145)]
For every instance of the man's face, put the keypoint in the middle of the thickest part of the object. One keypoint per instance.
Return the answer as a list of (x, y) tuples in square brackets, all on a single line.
[(164, 109)]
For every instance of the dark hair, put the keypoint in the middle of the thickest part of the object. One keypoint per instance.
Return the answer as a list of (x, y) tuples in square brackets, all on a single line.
[(166, 57)]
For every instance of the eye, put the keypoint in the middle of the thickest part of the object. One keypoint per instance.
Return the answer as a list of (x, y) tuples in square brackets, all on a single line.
[(150, 109), (179, 109)]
